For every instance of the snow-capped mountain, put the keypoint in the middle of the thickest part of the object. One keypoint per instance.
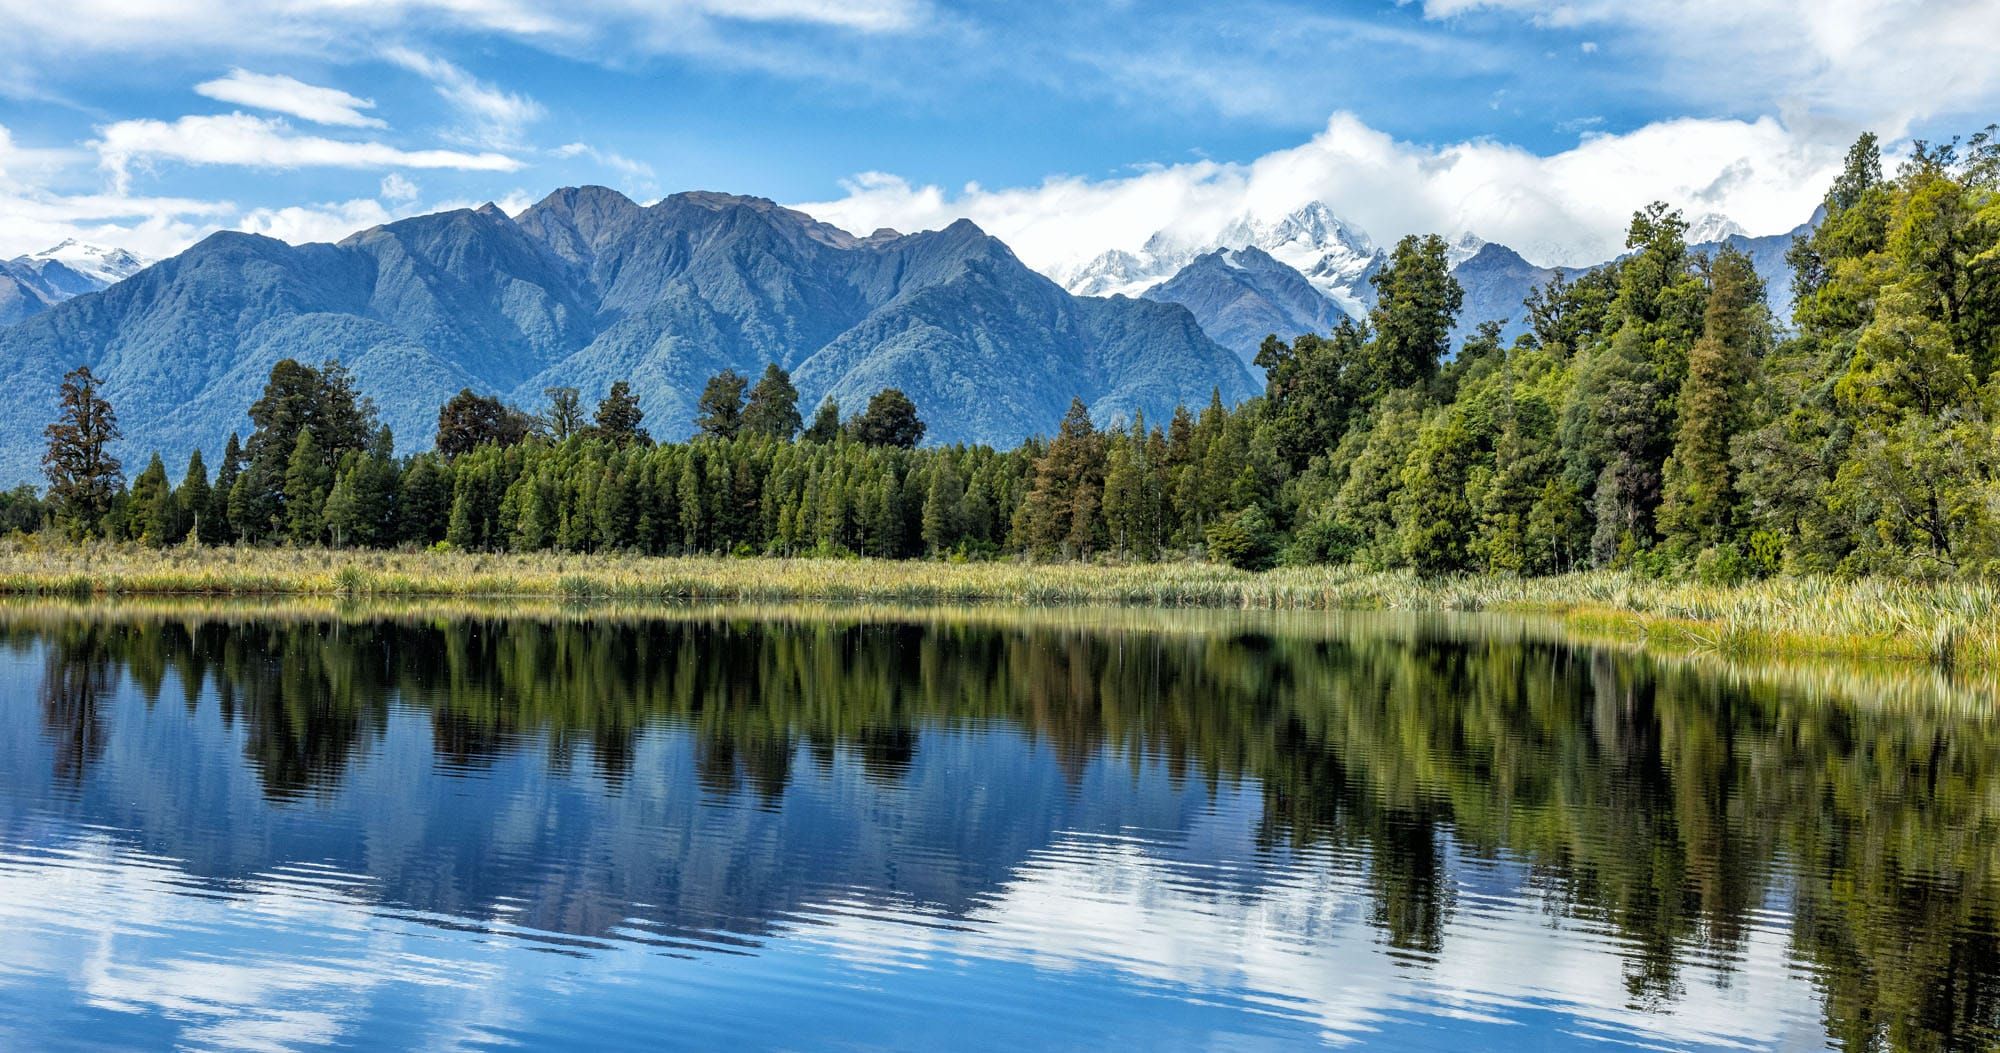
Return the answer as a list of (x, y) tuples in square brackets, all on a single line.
[(1462, 248), (106, 265), (1711, 228), (1335, 256), (32, 284)]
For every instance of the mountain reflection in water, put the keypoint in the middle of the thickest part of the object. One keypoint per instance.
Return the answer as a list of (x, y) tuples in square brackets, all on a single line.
[(835, 828)]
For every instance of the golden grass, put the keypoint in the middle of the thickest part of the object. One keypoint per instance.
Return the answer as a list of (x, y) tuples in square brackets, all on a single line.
[(1951, 625)]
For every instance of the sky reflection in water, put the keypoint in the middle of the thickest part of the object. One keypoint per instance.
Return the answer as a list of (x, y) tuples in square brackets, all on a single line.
[(869, 830)]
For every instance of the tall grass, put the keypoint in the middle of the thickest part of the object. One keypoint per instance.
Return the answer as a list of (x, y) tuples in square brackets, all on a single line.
[(1949, 624)]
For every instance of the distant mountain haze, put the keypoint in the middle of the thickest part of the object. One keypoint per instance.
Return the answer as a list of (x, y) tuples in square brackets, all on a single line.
[(587, 287)]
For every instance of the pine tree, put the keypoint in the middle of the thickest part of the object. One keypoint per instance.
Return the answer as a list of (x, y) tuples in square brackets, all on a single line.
[(307, 481), (216, 526), (1060, 514), (1416, 305), (84, 478), (194, 500), (825, 424), (1698, 506), (773, 409), (148, 511), (619, 417), (719, 411)]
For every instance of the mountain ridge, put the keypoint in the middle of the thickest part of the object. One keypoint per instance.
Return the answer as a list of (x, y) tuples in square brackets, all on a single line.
[(586, 287)]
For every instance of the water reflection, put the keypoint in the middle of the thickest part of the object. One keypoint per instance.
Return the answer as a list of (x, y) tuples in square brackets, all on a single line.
[(1419, 831)]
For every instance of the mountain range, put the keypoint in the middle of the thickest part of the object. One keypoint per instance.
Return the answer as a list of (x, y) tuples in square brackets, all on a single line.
[(34, 283), (1253, 278), (587, 287)]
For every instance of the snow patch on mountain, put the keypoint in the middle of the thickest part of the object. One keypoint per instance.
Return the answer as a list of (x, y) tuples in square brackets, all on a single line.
[(106, 265), (1335, 256)]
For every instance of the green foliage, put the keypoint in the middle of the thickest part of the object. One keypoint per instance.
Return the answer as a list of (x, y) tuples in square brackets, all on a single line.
[(1244, 540), (773, 409), (1653, 420), (1417, 302), (719, 411), (619, 418), (469, 421), (890, 420), (84, 478)]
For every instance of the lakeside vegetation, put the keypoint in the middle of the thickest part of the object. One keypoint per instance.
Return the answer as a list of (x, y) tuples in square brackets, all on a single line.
[(1655, 450), (1951, 624)]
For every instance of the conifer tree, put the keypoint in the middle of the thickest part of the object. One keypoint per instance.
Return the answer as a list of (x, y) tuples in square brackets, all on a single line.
[(825, 423), (890, 420), (1699, 501), (307, 481), (619, 418), (773, 409), (84, 478), (193, 500), (719, 412)]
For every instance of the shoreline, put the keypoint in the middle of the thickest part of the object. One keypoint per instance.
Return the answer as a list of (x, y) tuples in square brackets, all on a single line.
[(1951, 625)]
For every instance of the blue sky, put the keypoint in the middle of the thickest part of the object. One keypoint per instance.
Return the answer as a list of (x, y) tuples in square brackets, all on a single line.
[(1066, 128)]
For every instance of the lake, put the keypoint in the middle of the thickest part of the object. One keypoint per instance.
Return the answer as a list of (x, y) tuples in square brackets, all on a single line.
[(823, 827)]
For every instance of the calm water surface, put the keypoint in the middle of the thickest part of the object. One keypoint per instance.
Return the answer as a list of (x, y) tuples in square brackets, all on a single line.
[(851, 829)]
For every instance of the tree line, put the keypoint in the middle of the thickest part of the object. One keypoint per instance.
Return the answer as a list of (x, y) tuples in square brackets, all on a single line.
[(1654, 416)]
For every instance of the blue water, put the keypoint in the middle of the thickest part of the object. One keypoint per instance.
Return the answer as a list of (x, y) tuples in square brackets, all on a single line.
[(845, 831)]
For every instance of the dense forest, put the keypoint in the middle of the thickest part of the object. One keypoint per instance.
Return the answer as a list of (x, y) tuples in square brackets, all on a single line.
[(1655, 417)]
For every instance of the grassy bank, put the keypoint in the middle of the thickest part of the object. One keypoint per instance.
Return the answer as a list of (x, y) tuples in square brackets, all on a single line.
[(1953, 625)]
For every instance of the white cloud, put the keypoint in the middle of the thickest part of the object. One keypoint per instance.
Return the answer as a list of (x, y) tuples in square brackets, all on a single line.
[(283, 94), (241, 139), (330, 221), (1570, 207), (609, 159), (493, 117), (120, 25), (1880, 62), (399, 188)]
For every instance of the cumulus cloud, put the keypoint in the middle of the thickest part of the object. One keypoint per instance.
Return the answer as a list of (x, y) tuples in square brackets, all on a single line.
[(492, 117), (282, 94), (259, 142), (329, 221), (399, 188), (1882, 62), (1570, 207)]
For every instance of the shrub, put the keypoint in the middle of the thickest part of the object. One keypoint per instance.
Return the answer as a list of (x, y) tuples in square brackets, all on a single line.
[(1244, 540)]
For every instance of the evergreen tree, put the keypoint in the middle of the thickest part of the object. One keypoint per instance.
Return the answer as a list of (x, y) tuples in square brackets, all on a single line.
[(1699, 501), (1416, 305), (149, 507), (307, 481), (719, 412), (773, 410), (564, 417), (424, 502), (890, 420), (216, 527), (468, 421), (1060, 514), (84, 478), (825, 423), (619, 417), (194, 500)]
